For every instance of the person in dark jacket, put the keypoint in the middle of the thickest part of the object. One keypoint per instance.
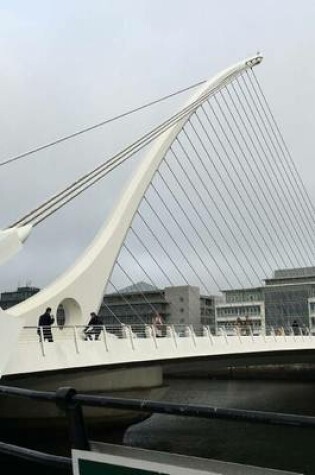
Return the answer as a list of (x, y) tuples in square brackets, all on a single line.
[(94, 327), (44, 325)]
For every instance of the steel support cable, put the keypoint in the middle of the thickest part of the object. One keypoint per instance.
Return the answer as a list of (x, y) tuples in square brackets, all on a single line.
[(261, 175), (145, 273), (214, 221), (246, 192), (286, 224), (101, 170), (225, 203), (150, 253), (146, 248), (221, 214), (204, 223), (142, 268), (139, 289), (134, 311), (149, 278), (223, 200), (195, 230), (99, 124), (270, 162), (251, 184), (73, 190), (289, 160), (143, 295), (132, 306), (170, 258), (295, 200), (187, 239), (93, 176), (222, 162), (225, 186), (110, 311), (218, 154)]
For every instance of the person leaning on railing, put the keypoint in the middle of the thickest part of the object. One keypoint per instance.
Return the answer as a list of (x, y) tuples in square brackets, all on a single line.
[(94, 327)]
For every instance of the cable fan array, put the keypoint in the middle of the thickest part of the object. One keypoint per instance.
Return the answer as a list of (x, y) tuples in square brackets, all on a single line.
[(225, 207)]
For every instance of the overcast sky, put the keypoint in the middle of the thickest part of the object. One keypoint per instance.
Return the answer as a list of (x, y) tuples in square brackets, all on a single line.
[(68, 64)]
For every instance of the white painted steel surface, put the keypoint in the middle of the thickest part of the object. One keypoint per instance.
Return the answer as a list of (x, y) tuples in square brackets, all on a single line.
[(161, 462), (69, 350), (81, 288), (11, 241)]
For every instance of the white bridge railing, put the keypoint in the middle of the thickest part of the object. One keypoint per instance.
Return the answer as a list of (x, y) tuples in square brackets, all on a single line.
[(72, 347), (80, 335)]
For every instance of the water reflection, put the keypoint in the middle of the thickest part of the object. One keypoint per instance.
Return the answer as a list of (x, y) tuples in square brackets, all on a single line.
[(287, 448)]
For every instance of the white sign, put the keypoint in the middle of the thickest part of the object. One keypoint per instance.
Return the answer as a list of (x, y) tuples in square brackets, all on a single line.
[(121, 460)]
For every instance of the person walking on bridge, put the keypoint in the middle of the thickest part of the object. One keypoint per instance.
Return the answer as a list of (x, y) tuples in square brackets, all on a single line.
[(44, 325)]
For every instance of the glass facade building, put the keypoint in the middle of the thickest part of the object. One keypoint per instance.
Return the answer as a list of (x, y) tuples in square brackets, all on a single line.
[(287, 295)]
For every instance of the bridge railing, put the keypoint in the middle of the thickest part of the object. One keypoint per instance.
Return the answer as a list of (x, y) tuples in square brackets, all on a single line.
[(79, 334)]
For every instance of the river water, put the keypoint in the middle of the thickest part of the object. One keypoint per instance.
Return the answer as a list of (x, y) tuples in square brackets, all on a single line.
[(286, 448)]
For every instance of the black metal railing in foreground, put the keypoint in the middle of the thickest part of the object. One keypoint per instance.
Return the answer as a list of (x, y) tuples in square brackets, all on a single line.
[(71, 402)]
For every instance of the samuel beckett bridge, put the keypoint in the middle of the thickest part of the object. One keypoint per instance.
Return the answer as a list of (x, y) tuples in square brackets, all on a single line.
[(215, 202)]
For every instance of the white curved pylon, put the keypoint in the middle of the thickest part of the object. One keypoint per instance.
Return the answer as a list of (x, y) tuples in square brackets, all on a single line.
[(80, 289), (11, 241)]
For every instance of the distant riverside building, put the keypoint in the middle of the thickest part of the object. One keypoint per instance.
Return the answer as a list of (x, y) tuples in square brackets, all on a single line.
[(241, 305), (177, 304), (286, 297), (9, 299)]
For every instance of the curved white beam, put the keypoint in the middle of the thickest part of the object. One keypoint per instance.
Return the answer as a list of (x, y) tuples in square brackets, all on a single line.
[(11, 241), (86, 280)]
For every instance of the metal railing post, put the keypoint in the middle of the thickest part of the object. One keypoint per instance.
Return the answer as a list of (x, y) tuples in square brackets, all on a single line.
[(129, 330), (153, 335), (223, 332), (75, 335), (173, 332), (238, 333), (283, 333), (192, 334), (105, 337), (41, 336), (73, 411), (207, 328)]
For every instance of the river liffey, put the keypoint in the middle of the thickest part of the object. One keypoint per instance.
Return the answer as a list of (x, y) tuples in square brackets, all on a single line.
[(287, 448)]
